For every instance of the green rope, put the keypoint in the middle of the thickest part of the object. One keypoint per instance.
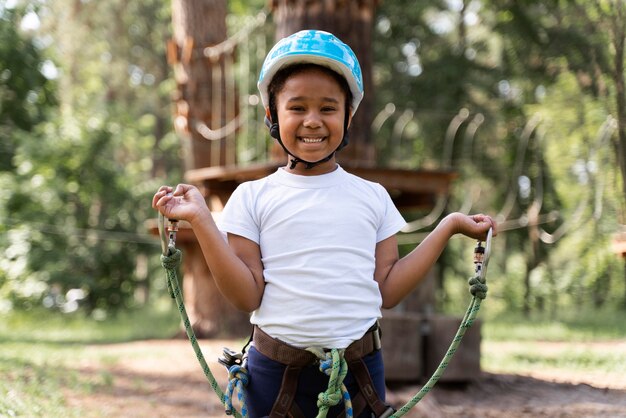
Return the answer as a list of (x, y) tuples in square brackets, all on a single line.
[(170, 263), (332, 363), (478, 289)]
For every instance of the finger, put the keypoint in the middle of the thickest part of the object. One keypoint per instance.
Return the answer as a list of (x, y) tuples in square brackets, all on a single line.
[(163, 191), (180, 190), (494, 227), (482, 225), (481, 218), (162, 202), (155, 199)]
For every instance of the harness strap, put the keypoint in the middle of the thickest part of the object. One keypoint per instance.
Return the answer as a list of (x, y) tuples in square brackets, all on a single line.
[(288, 387), (296, 358), (366, 387), (280, 351)]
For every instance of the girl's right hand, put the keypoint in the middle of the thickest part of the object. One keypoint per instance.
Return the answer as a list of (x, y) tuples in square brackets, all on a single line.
[(185, 202)]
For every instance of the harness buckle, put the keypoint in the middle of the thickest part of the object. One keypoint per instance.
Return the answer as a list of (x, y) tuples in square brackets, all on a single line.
[(389, 412), (376, 336)]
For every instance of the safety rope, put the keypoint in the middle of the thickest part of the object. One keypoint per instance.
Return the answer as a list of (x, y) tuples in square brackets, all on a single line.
[(478, 289), (332, 363), (170, 261)]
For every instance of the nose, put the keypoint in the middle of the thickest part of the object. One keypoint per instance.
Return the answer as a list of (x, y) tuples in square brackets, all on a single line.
[(312, 120)]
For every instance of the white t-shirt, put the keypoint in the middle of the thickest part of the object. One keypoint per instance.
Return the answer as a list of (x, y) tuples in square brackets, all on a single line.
[(317, 236)]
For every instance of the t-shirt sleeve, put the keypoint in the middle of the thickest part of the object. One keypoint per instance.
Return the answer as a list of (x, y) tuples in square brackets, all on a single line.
[(392, 221), (238, 214)]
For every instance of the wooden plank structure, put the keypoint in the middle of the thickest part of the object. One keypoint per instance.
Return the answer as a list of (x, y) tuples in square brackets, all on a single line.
[(409, 189)]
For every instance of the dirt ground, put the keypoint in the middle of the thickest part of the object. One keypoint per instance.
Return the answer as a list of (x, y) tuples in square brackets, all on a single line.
[(163, 379)]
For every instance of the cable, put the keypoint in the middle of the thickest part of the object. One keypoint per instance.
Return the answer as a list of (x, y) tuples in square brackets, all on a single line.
[(87, 233)]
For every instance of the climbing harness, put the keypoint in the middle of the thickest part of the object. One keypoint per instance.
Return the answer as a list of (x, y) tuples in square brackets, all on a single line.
[(334, 363)]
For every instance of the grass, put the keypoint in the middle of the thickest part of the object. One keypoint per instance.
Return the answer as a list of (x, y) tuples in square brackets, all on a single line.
[(572, 327), (40, 354), (76, 328), (592, 343)]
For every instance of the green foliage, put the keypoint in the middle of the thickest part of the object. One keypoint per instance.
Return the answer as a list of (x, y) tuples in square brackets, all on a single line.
[(25, 93), (78, 195), (513, 62), (71, 196), (77, 177)]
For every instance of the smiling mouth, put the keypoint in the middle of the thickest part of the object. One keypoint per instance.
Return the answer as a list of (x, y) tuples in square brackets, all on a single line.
[(311, 140)]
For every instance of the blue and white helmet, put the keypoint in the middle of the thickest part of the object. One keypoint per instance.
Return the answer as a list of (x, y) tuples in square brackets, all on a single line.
[(315, 47)]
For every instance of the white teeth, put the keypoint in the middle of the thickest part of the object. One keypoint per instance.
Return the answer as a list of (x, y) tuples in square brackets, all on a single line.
[(312, 140)]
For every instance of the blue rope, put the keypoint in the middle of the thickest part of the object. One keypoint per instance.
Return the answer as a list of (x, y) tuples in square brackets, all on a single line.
[(238, 378)]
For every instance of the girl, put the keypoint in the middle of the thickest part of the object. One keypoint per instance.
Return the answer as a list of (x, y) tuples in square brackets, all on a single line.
[(311, 249)]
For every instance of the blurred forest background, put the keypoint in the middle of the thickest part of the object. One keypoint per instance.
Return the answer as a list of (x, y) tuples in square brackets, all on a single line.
[(535, 88)]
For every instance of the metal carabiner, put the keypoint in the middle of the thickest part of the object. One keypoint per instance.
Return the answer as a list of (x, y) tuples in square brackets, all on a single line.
[(481, 256), (167, 233)]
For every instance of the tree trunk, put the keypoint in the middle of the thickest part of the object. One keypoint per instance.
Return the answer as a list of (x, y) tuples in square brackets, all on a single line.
[(201, 93), (196, 25), (350, 21)]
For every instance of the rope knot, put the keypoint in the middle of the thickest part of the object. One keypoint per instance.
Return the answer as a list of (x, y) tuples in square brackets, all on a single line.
[(238, 378), (172, 260), (333, 364), (239, 373), (478, 287)]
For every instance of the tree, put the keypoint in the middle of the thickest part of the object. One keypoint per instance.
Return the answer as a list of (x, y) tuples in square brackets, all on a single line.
[(77, 195), (581, 38), (25, 92), (201, 85)]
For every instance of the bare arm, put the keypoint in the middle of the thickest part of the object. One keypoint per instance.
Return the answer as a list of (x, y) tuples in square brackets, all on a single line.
[(236, 268), (398, 277)]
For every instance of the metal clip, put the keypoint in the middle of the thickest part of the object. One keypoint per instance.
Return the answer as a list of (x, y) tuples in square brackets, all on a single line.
[(229, 358), (172, 229), (481, 256), (167, 234)]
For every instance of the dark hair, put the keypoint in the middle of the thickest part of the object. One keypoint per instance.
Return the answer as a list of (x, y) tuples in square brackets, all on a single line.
[(281, 76)]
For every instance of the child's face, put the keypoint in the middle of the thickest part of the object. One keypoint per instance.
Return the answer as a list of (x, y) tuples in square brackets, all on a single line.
[(311, 110)]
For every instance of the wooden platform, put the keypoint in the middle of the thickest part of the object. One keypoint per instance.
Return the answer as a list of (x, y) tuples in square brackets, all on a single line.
[(409, 189)]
